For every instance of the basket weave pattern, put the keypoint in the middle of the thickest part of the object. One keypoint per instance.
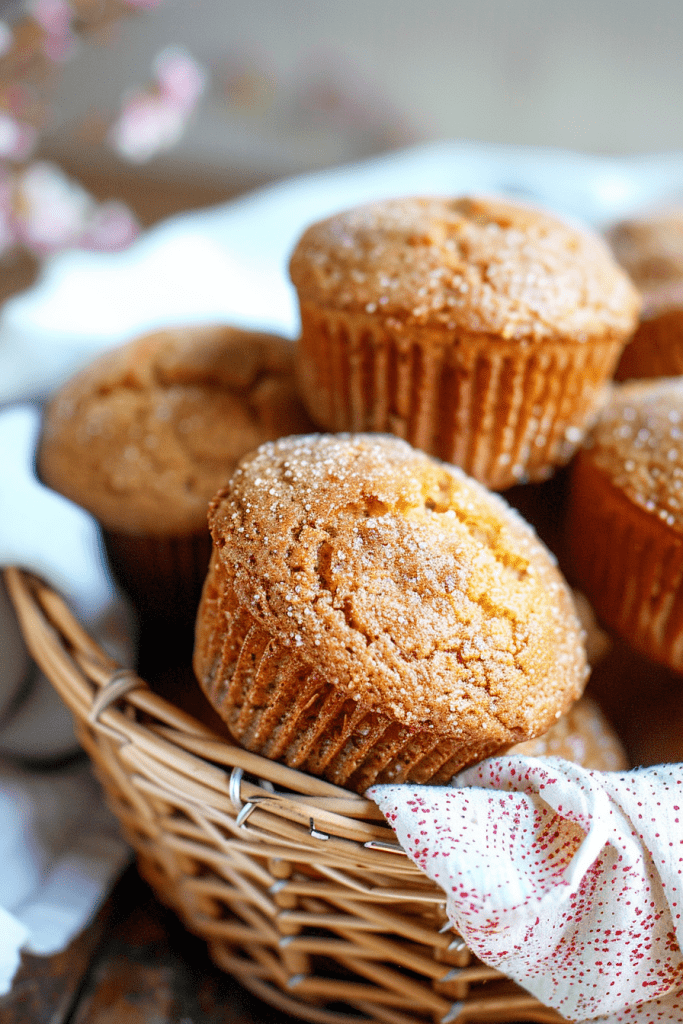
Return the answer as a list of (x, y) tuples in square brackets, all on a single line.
[(299, 888)]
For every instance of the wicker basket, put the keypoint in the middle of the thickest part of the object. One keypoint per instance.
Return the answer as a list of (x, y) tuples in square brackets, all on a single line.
[(299, 888)]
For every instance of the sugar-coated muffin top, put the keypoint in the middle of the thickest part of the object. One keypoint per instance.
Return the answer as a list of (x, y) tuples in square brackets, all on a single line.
[(414, 588), (144, 436), (637, 443), (470, 264), (650, 248)]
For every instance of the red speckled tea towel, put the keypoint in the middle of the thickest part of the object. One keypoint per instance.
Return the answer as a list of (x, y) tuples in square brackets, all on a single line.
[(569, 881)]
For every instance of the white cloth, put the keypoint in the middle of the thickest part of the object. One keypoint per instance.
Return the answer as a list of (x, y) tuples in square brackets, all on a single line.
[(569, 881), (229, 263), (60, 850), (59, 847), (223, 264)]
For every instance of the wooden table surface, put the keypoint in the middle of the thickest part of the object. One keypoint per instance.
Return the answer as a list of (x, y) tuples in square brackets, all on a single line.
[(135, 964)]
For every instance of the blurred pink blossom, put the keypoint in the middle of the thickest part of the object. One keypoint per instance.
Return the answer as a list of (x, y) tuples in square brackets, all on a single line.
[(181, 80), (154, 118), (147, 125), (112, 226), (51, 212), (17, 139), (41, 208), (55, 18)]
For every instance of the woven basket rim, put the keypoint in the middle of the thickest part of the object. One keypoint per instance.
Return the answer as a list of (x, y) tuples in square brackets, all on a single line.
[(340, 834), (93, 684)]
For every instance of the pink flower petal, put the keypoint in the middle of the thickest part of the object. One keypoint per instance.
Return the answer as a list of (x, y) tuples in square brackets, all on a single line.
[(111, 227), (17, 139), (181, 79)]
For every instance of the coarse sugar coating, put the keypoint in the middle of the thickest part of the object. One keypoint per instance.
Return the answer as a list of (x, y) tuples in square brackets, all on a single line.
[(147, 433), (425, 605), (625, 517), (650, 248), (479, 330), (637, 444), (483, 265)]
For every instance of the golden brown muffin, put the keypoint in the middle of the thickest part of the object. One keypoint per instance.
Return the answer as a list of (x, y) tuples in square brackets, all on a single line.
[(583, 736), (650, 248), (371, 614), (479, 330), (625, 518), (145, 435)]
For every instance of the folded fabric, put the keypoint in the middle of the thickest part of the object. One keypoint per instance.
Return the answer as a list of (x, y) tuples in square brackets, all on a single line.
[(567, 880), (59, 847), (60, 851)]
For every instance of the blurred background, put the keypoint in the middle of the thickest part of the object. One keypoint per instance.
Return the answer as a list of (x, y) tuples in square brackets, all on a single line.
[(172, 104)]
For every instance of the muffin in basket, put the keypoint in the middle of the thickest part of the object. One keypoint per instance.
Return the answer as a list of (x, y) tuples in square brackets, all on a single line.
[(371, 614), (478, 330), (650, 248), (145, 435), (584, 736), (625, 518)]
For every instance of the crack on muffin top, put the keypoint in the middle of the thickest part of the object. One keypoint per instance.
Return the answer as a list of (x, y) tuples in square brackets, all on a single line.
[(474, 265), (410, 584)]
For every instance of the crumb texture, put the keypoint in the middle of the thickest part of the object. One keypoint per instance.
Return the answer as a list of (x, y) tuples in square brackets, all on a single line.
[(146, 435), (470, 264), (405, 585)]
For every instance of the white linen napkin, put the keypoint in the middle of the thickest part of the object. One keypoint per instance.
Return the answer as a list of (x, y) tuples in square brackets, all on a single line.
[(569, 881)]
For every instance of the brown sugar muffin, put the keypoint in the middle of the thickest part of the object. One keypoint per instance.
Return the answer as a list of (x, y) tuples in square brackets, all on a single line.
[(583, 736), (145, 435), (625, 518), (478, 330), (371, 614), (650, 248)]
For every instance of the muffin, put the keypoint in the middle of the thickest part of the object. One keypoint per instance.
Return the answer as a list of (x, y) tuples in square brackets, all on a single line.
[(650, 248), (373, 615), (583, 736), (145, 435), (625, 518), (480, 331)]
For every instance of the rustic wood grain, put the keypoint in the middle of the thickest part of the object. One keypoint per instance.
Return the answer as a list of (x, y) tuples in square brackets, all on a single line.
[(135, 964), (46, 988), (149, 970)]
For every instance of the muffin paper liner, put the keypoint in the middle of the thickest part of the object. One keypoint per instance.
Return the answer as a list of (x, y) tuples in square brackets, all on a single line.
[(629, 563), (163, 576), (506, 412), (277, 705), (656, 349)]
